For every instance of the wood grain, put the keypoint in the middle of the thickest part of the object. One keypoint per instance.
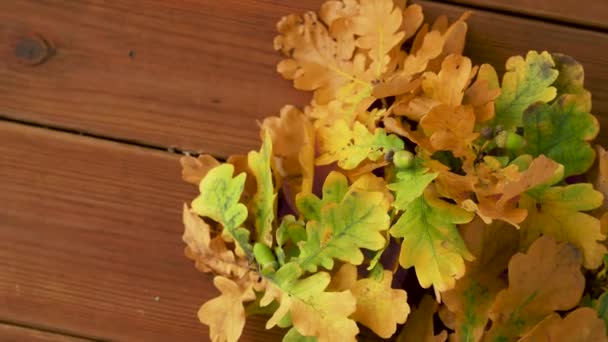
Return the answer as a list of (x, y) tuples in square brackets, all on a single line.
[(197, 74), (11, 333), (591, 13), (90, 240)]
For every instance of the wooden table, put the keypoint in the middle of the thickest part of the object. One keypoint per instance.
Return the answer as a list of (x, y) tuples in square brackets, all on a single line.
[(98, 97)]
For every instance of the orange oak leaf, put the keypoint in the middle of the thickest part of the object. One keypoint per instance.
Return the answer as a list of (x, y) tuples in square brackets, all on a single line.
[(581, 325), (195, 169), (547, 278), (451, 128)]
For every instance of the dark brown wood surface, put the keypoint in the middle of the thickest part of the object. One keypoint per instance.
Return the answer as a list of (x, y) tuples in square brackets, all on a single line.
[(90, 240), (591, 13), (90, 231), (12, 333), (198, 74)]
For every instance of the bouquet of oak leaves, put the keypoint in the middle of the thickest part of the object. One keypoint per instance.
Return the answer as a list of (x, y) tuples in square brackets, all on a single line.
[(411, 169)]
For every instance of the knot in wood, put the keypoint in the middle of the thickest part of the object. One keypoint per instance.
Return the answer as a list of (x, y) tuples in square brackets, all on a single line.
[(32, 50)]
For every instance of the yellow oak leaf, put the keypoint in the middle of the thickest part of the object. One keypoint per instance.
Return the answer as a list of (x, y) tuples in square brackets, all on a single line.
[(558, 212), (225, 315), (547, 278), (428, 51), (293, 140), (378, 27), (349, 147), (379, 306), (314, 312), (195, 169), (313, 61), (210, 254), (581, 325), (469, 302), (419, 325)]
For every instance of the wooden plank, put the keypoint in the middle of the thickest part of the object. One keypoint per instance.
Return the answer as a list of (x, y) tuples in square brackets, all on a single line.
[(590, 13), (90, 240), (197, 74), (12, 333)]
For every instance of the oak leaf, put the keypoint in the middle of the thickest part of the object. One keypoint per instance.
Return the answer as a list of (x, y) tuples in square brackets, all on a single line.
[(351, 147), (526, 81), (557, 212), (378, 27), (410, 183), (452, 129), (263, 202), (431, 242), (580, 325), (502, 202), (219, 200), (316, 61), (195, 169), (225, 315), (379, 306), (210, 254), (293, 140), (314, 312), (545, 279), (562, 132), (482, 93), (343, 227), (449, 84), (419, 325), (469, 302)]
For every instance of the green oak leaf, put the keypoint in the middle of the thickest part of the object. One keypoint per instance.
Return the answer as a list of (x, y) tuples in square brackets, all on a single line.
[(342, 228), (334, 189), (264, 199), (219, 200), (411, 182), (431, 242), (562, 131), (602, 308), (349, 147), (290, 230), (571, 77), (526, 81), (294, 336)]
